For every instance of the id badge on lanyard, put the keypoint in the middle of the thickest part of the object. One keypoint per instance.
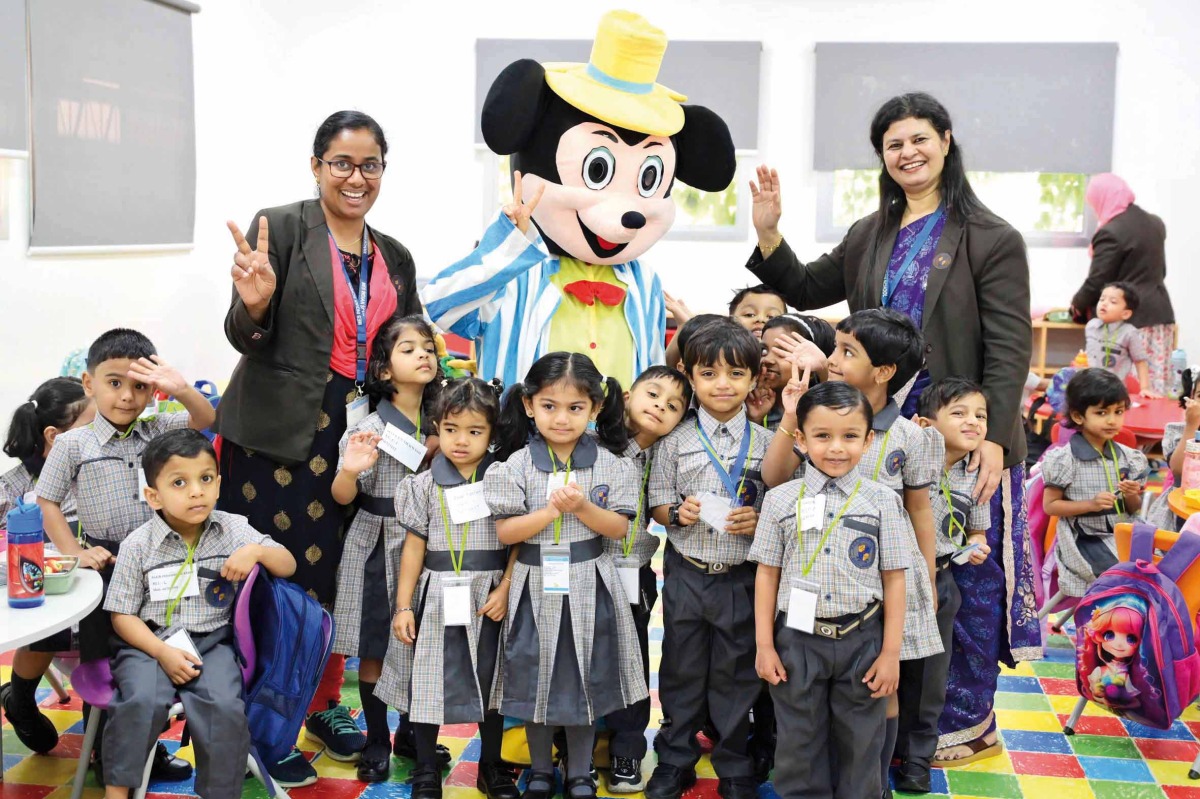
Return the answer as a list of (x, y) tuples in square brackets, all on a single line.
[(556, 569), (456, 601), (357, 408), (629, 570), (802, 605)]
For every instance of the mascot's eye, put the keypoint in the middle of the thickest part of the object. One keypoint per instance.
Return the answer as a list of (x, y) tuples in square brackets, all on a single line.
[(1109, 635), (650, 176), (598, 168)]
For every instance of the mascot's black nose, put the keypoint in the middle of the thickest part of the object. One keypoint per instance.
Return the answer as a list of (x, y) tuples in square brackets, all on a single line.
[(633, 220)]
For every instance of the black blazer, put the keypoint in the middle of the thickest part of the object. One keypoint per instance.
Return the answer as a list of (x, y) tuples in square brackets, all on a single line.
[(1130, 248), (976, 320), (275, 393)]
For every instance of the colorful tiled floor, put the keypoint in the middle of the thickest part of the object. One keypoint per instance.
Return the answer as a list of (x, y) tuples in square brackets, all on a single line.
[(1107, 759)]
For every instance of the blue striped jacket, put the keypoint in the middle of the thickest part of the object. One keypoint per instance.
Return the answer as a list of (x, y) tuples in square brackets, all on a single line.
[(501, 297)]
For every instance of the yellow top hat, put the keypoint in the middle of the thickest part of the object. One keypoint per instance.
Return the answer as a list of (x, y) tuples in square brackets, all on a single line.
[(617, 85)]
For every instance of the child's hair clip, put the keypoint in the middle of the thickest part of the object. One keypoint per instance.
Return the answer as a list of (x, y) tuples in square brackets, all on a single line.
[(497, 386)]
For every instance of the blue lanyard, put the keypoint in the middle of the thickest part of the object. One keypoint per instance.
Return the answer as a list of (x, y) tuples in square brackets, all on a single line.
[(360, 303), (889, 285), (734, 487)]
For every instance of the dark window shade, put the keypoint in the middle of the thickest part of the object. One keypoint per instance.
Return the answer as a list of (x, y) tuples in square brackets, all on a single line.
[(114, 143), (722, 76), (14, 123), (1015, 107)]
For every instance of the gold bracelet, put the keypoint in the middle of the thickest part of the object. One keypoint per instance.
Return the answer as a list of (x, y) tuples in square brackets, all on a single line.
[(506, 580), (766, 251), (785, 431)]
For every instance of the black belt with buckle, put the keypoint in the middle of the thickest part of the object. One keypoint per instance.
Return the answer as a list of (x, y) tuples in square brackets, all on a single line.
[(942, 563), (844, 625)]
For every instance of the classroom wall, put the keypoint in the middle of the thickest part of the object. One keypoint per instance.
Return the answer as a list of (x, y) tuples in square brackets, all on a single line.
[(268, 71)]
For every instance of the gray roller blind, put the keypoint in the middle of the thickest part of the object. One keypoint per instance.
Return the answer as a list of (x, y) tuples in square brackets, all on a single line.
[(114, 143), (722, 76), (1015, 107), (13, 120)]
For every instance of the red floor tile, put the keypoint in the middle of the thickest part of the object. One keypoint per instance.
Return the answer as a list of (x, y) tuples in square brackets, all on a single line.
[(1167, 750), (1097, 725), (1047, 765), (463, 774), (1055, 686)]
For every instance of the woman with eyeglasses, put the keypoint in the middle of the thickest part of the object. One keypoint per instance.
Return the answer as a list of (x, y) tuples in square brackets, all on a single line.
[(313, 283)]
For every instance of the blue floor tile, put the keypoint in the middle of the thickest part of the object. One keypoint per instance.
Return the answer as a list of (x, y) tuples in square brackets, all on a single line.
[(1019, 685), (1178, 731), (1054, 743), (1116, 768)]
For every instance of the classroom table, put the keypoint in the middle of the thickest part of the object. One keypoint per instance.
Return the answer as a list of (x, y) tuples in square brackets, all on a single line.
[(1146, 418), (1179, 506)]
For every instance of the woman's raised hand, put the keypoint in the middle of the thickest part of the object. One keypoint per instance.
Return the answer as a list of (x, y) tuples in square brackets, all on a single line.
[(518, 212), (252, 274), (767, 206)]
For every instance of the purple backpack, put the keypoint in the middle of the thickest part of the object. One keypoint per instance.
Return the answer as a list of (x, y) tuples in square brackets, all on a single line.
[(1134, 648)]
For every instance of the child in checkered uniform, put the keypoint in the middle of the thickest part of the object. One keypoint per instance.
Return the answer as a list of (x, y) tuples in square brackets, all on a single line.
[(441, 662), (831, 546), (571, 652), (401, 377), (1092, 483)]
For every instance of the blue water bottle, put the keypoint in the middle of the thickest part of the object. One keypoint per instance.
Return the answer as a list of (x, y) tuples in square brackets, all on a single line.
[(1178, 365), (26, 556)]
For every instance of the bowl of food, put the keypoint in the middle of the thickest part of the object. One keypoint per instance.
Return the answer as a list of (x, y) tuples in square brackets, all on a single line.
[(59, 573)]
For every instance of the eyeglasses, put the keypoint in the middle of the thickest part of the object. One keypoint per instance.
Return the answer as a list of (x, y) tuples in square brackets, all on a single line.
[(341, 168)]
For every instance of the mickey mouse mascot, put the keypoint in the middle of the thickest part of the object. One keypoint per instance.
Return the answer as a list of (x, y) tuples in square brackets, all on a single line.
[(596, 149)]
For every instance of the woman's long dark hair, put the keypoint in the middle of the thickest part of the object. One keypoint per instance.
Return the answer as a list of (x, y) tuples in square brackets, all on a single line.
[(554, 367), (957, 195)]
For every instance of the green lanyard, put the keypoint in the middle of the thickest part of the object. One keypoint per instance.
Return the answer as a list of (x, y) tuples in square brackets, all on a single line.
[(627, 545), (462, 547), (804, 570), (554, 466), (1109, 340), (882, 454), (745, 467), (1113, 478), (187, 563), (945, 487)]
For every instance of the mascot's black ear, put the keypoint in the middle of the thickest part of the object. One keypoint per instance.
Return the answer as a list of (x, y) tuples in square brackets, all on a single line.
[(513, 107), (703, 150)]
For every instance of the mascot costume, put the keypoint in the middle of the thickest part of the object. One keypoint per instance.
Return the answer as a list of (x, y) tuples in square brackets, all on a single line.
[(595, 150)]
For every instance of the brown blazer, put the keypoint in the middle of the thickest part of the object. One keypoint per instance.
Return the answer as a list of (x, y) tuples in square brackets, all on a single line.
[(1130, 248), (274, 396), (976, 321)]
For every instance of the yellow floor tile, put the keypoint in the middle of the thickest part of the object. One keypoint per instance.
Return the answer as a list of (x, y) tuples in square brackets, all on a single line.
[(459, 792), (328, 767), (1035, 720), (1065, 704), (62, 719), (64, 792), (1190, 713), (1056, 787), (1171, 772), (41, 770), (1022, 670)]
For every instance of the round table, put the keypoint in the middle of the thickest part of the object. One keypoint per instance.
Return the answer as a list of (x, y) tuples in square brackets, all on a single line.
[(1146, 418), (21, 626), (1178, 505)]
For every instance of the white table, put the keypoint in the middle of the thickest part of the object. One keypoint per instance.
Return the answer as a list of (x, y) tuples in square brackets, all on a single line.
[(21, 626)]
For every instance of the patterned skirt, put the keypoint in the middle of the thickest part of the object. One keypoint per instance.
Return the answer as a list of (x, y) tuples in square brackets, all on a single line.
[(1158, 341), (294, 504), (997, 622)]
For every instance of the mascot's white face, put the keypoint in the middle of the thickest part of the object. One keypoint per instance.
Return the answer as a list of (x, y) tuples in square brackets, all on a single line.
[(612, 203)]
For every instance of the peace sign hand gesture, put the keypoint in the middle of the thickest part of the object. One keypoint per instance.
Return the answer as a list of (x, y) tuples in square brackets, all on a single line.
[(795, 388), (252, 274), (520, 213)]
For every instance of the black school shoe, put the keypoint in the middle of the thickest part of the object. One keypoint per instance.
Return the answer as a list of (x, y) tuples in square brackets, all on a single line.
[(540, 785), (375, 765), (737, 788), (33, 730), (404, 745), (912, 777), (426, 783), (669, 782), (497, 780), (579, 788), (166, 768), (336, 731)]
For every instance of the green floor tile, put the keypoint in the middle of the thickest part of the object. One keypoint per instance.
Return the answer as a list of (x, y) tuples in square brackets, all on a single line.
[(979, 783), (1107, 789), (1011, 701), (1104, 746), (1047, 668)]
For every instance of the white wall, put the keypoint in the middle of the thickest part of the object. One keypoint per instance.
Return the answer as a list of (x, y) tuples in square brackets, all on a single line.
[(268, 71)]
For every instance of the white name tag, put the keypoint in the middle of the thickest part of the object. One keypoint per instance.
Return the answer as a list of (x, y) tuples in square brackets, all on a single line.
[(142, 484), (402, 447), (629, 571), (456, 601), (802, 606), (181, 640), (713, 510), (466, 503), (555, 482), (556, 569), (963, 555), (357, 410), (160, 580), (812, 512)]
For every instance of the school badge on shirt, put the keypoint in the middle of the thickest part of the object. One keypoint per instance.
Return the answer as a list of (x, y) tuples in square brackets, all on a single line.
[(599, 496), (219, 593), (895, 462), (747, 494), (862, 551)]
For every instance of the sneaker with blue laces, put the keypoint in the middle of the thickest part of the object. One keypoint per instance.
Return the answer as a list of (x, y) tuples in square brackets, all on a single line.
[(336, 731), (294, 771)]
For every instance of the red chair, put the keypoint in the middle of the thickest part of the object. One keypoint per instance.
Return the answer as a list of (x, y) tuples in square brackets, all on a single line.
[(1124, 437)]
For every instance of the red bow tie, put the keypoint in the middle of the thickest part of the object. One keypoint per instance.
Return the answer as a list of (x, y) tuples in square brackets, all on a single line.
[(588, 291)]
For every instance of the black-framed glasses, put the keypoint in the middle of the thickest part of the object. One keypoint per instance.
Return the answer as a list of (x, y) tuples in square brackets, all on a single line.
[(341, 168)]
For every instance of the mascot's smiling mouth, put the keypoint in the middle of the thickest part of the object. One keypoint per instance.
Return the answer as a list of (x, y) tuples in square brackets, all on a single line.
[(602, 248)]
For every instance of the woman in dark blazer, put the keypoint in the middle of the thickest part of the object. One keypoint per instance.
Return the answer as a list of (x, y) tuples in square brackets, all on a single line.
[(934, 252), (1129, 245), (293, 319)]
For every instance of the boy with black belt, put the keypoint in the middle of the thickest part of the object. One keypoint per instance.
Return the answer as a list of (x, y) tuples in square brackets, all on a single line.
[(171, 600), (831, 546), (101, 465), (705, 487)]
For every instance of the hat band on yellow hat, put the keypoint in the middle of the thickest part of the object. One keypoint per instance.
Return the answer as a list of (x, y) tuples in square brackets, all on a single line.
[(627, 86)]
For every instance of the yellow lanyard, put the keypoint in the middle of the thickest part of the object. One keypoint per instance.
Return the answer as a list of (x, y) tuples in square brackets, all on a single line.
[(187, 564), (462, 547), (882, 454), (804, 570), (554, 466), (627, 546), (1113, 479), (945, 486)]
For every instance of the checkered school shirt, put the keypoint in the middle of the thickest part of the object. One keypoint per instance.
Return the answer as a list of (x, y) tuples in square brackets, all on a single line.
[(1115, 347), (1079, 470), (17, 482), (682, 468), (952, 522), (869, 538), (901, 456), (155, 545), (102, 468), (645, 543)]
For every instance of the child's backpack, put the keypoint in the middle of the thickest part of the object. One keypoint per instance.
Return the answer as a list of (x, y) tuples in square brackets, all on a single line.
[(1135, 653), (284, 638)]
